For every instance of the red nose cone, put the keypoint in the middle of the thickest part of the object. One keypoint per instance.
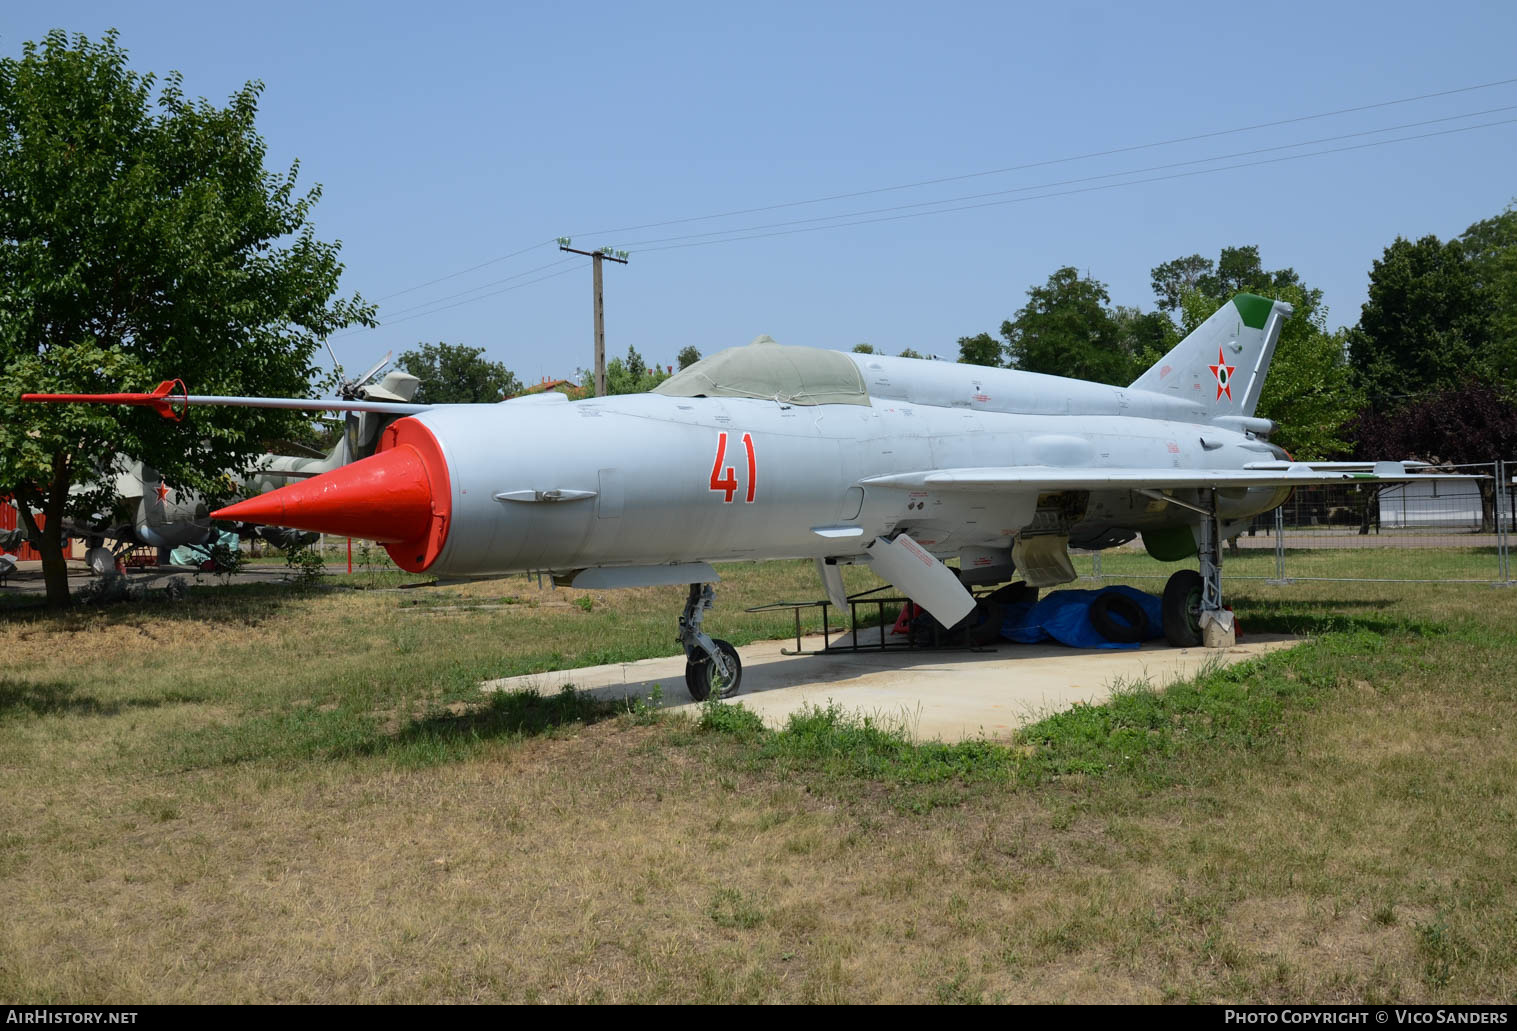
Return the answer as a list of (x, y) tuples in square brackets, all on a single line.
[(398, 497), (384, 498)]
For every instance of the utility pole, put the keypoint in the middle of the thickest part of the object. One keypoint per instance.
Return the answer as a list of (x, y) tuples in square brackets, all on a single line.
[(600, 307)]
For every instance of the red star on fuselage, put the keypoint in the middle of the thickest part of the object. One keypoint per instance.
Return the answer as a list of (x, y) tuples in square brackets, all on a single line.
[(1224, 374), (163, 492)]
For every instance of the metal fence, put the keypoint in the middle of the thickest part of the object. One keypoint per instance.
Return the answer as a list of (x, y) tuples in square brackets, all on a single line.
[(1434, 531)]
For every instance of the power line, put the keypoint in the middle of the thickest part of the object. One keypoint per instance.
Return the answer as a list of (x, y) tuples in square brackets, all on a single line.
[(1065, 182), (753, 234), (482, 286), (464, 272), (1085, 189), (494, 293), (1062, 160), (458, 304), (972, 175)]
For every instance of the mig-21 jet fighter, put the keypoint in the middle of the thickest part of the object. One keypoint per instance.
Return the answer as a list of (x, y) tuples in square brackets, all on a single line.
[(770, 451)]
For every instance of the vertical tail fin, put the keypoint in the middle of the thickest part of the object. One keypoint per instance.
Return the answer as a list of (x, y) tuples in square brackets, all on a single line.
[(1223, 362)]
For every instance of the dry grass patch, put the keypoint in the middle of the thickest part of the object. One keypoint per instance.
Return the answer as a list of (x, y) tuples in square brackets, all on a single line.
[(263, 795)]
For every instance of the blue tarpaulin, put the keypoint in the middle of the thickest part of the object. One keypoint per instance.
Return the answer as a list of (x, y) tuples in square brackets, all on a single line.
[(1064, 616)]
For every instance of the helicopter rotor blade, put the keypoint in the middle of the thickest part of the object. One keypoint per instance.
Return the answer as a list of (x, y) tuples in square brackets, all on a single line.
[(364, 379), (336, 365)]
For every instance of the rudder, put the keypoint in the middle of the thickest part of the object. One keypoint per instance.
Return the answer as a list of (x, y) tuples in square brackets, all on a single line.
[(1223, 362)]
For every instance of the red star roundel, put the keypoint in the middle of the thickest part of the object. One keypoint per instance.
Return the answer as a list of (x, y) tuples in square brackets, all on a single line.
[(1224, 374)]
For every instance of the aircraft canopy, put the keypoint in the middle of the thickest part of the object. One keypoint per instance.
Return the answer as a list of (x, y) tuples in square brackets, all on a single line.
[(765, 369)]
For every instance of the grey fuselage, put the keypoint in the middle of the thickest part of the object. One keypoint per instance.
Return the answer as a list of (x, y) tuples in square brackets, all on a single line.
[(633, 480)]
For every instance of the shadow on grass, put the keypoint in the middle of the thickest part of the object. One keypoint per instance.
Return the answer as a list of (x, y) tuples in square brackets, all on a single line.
[(506, 715), (247, 603), (63, 699), (330, 733)]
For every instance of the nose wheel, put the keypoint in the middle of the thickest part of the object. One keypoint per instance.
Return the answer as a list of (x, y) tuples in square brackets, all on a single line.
[(705, 678), (712, 668)]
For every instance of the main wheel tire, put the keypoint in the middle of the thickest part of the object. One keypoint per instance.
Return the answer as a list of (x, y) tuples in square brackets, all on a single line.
[(1182, 609), (990, 616), (1119, 619), (703, 680), (100, 560)]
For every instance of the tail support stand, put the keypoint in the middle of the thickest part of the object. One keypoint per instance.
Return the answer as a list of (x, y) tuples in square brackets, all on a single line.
[(1217, 629)]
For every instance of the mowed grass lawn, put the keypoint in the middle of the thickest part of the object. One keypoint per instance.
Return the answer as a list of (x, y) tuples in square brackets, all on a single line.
[(267, 794)]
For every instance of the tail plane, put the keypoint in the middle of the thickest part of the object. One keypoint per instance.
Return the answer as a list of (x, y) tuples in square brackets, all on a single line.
[(1223, 362)]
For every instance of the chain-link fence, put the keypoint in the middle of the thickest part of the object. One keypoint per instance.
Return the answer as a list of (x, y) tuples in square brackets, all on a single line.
[(1455, 528)]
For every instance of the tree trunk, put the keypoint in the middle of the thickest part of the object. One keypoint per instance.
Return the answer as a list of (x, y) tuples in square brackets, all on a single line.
[(49, 539), (49, 544)]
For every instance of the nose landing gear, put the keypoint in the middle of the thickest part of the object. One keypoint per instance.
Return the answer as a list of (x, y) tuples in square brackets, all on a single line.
[(712, 667)]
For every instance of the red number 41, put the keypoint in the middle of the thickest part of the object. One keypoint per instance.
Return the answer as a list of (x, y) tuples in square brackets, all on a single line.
[(726, 481)]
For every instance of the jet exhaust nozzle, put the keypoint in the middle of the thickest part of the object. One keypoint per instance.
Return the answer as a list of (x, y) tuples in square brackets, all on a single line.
[(398, 497)]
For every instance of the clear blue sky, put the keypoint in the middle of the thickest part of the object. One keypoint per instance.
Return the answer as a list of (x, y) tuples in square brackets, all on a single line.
[(446, 135)]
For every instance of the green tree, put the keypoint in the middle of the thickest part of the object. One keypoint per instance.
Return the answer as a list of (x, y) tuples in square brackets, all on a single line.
[(1237, 270), (981, 349), (140, 241), (1067, 329), (1310, 390), (688, 356), (1174, 279), (909, 353), (629, 375), (1426, 325), (863, 349), (1144, 336), (1490, 249), (455, 374), (1240, 270), (1464, 425), (636, 367)]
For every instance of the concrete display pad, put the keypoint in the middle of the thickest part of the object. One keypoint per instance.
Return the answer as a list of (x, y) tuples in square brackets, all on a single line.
[(949, 695)]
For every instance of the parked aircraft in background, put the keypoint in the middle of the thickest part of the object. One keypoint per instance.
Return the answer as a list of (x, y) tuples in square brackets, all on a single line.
[(149, 513), (769, 451)]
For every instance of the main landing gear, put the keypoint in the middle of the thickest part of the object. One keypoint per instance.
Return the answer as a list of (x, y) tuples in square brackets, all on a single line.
[(712, 668), (1192, 603), (1182, 609)]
